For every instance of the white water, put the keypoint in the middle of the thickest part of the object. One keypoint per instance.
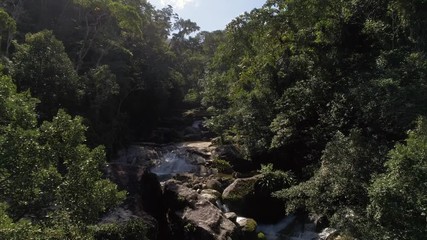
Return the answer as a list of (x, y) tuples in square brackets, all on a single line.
[(224, 208), (272, 231), (172, 163)]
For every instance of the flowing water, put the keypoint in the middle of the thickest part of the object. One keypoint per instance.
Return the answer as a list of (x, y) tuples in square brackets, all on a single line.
[(173, 163), (167, 160), (272, 231)]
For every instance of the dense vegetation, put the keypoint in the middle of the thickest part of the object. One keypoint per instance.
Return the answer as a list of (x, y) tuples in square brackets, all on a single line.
[(334, 91), (75, 75), (329, 89)]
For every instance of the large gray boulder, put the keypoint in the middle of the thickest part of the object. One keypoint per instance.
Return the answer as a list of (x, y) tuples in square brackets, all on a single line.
[(239, 195), (200, 218)]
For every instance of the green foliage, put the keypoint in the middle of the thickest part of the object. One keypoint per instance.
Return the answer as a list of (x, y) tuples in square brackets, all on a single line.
[(273, 180), (331, 85), (81, 191), (7, 30), (261, 236), (243, 189), (250, 225), (47, 173), (43, 67), (189, 228), (14, 230), (398, 199), (292, 73), (339, 188), (129, 230), (223, 166)]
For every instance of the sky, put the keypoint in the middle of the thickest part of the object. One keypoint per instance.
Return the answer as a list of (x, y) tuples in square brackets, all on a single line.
[(210, 15)]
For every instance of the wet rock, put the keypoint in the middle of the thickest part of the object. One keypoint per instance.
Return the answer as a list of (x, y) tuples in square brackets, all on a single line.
[(240, 188), (200, 218), (248, 227), (209, 222), (238, 195), (210, 195), (212, 192), (145, 193), (232, 216), (137, 155), (214, 184)]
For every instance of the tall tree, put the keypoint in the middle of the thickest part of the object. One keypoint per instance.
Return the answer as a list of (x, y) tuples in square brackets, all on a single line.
[(49, 170), (43, 67)]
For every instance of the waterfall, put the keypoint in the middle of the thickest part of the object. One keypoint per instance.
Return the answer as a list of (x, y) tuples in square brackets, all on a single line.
[(172, 163), (224, 208)]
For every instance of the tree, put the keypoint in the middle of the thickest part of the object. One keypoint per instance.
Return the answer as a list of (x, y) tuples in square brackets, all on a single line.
[(339, 188), (7, 30), (48, 170), (43, 67), (398, 198)]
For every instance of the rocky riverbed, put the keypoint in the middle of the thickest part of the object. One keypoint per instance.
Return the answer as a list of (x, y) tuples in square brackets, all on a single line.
[(181, 191)]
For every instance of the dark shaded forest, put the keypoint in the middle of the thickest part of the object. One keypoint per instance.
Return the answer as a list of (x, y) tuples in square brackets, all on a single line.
[(326, 98)]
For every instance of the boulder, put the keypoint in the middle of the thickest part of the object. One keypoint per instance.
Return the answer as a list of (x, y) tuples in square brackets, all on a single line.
[(212, 192), (239, 195), (145, 193), (137, 155), (210, 223), (211, 195), (248, 227), (199, 218), (240, 188), (214, 184)]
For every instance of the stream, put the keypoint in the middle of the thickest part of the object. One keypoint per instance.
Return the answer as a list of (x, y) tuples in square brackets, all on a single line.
[(166, 161), (173, 163)]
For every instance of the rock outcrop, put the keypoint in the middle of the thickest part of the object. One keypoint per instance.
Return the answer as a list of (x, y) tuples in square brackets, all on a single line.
[(239, 195), (200, 218)]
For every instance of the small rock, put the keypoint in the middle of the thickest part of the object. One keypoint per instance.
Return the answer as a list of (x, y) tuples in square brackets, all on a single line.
[(232, 216), (248, 228), (246, 224), (211, 198), (214, 184), (211, 192)]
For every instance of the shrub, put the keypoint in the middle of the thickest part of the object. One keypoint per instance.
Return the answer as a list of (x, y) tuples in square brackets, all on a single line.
[(131, 230), (222, 165)]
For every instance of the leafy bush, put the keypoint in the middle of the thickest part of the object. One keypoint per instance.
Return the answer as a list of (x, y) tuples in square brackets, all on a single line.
[(398, 198), (274, 180), (131, 230), (223, 166)]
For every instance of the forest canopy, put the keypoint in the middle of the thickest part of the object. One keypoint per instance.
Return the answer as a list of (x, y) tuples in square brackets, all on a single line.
[(332, 92)]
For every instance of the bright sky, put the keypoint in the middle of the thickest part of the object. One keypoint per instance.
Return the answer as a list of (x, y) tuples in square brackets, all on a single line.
[(210, 15)]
